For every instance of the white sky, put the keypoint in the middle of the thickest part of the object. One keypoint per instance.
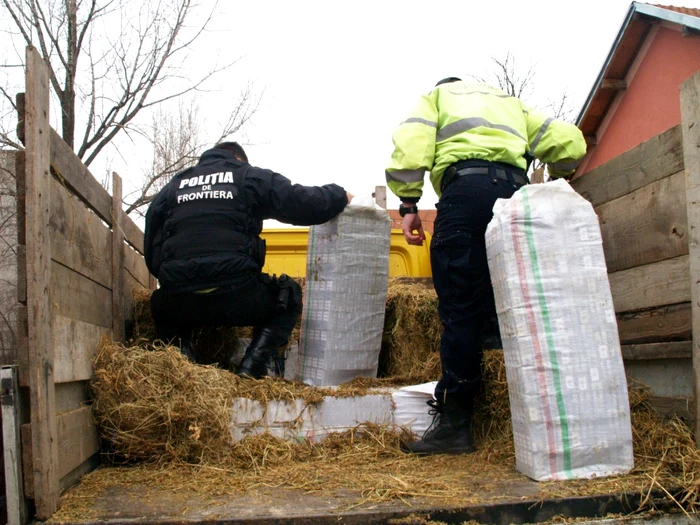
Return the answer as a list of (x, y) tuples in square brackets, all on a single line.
[(339, 77)]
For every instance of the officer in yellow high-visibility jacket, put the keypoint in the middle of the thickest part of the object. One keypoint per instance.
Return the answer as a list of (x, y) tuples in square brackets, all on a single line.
[(475, 140)]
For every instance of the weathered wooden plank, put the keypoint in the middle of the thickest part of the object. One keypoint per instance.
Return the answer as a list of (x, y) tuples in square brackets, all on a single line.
[(41, 379), (21, 274), (70, 396), (656, 284), (20, 189), (665, 377), (690, 124), (25, 435), (129, 285), (73, 478), (20, 105), (380, 196), (670, 407), (117, 260), (135, 265), (645, 226), (649, 351), (78, 439), (668, 323), (20, 168), (652, 160), (22, 345), (12, 446), (133, 234), (75, 344), (73, 173), (79, 239), (75, 296)]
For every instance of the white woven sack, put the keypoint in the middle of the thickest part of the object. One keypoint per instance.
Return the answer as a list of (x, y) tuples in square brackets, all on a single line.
[(347, 275), (566, 379)]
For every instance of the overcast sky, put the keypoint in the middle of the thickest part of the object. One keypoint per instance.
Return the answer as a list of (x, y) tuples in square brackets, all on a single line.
[(338, 77)]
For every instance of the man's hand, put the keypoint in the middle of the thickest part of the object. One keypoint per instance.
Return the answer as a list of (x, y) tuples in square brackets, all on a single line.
[(350, 196), (411, 222)]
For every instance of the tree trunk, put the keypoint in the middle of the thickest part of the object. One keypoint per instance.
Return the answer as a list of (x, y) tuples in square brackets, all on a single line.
[(68, 98)]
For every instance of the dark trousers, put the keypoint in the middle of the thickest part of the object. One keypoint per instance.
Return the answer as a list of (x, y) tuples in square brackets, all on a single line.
[(257, 302), (462, 280)]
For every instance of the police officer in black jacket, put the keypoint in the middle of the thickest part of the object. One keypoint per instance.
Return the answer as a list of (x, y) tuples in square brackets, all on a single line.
[(202, 242)]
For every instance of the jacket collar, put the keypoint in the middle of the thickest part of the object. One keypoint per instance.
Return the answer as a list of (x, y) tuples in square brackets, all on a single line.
[(217, 155)]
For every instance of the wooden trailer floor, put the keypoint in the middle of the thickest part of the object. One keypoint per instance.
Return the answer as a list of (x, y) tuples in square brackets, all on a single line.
[(493, 500)]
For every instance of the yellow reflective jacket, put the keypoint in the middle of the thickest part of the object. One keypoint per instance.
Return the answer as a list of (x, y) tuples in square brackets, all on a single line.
[(461, 120)]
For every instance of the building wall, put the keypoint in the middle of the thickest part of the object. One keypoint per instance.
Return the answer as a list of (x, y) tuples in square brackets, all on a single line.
[(651, 103)]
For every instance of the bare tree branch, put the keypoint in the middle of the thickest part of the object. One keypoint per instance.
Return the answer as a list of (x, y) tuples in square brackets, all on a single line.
[(177, 143), (520, 83), (104, 76)]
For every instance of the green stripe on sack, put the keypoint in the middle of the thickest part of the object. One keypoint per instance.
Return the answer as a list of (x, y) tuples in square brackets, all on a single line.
[(550, 338)]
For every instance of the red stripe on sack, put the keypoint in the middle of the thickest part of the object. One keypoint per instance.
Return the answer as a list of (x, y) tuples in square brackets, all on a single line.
[(532, 324)]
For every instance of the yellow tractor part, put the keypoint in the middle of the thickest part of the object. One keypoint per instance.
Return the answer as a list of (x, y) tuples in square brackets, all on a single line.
[(286, 253)]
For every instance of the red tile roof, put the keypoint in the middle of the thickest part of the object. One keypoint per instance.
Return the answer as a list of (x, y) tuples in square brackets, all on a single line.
[(683, 10)]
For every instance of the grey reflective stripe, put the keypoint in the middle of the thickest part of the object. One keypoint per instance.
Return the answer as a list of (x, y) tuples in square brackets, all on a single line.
[(565, 166), (476, 92), (483, 93), (405, 175), (420, 121), (540, 134), (470, 123)]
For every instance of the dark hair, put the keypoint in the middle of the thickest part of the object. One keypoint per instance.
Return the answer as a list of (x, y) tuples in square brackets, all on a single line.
[(233, 147), (448, 80)]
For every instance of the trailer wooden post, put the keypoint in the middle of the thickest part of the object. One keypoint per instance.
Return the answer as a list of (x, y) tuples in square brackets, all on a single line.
[(38, 261), (690, 122), (117, 260), (380, 196)]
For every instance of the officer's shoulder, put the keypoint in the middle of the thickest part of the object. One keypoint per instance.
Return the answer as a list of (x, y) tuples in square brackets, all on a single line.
[(255, 172)]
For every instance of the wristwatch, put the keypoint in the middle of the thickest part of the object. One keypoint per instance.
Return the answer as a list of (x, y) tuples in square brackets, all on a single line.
[(405, 210)]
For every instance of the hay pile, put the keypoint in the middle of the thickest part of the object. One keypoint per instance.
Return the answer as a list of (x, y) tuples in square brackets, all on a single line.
[(411, 341), (172, 416), (152, 404)]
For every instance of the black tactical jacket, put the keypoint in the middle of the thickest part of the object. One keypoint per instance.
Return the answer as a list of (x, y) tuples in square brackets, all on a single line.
[(203, 228)]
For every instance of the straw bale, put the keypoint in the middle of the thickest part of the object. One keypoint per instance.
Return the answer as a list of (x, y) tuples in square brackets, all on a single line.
[(155, 404), (412, 330), (152, 404), (144, 329)]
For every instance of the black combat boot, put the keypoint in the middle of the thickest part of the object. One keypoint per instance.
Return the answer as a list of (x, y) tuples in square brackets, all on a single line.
[(449, 433), (260, 353), (187, 349)]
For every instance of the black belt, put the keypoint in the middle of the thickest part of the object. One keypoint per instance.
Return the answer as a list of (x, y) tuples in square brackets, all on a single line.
[(515, 178)]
